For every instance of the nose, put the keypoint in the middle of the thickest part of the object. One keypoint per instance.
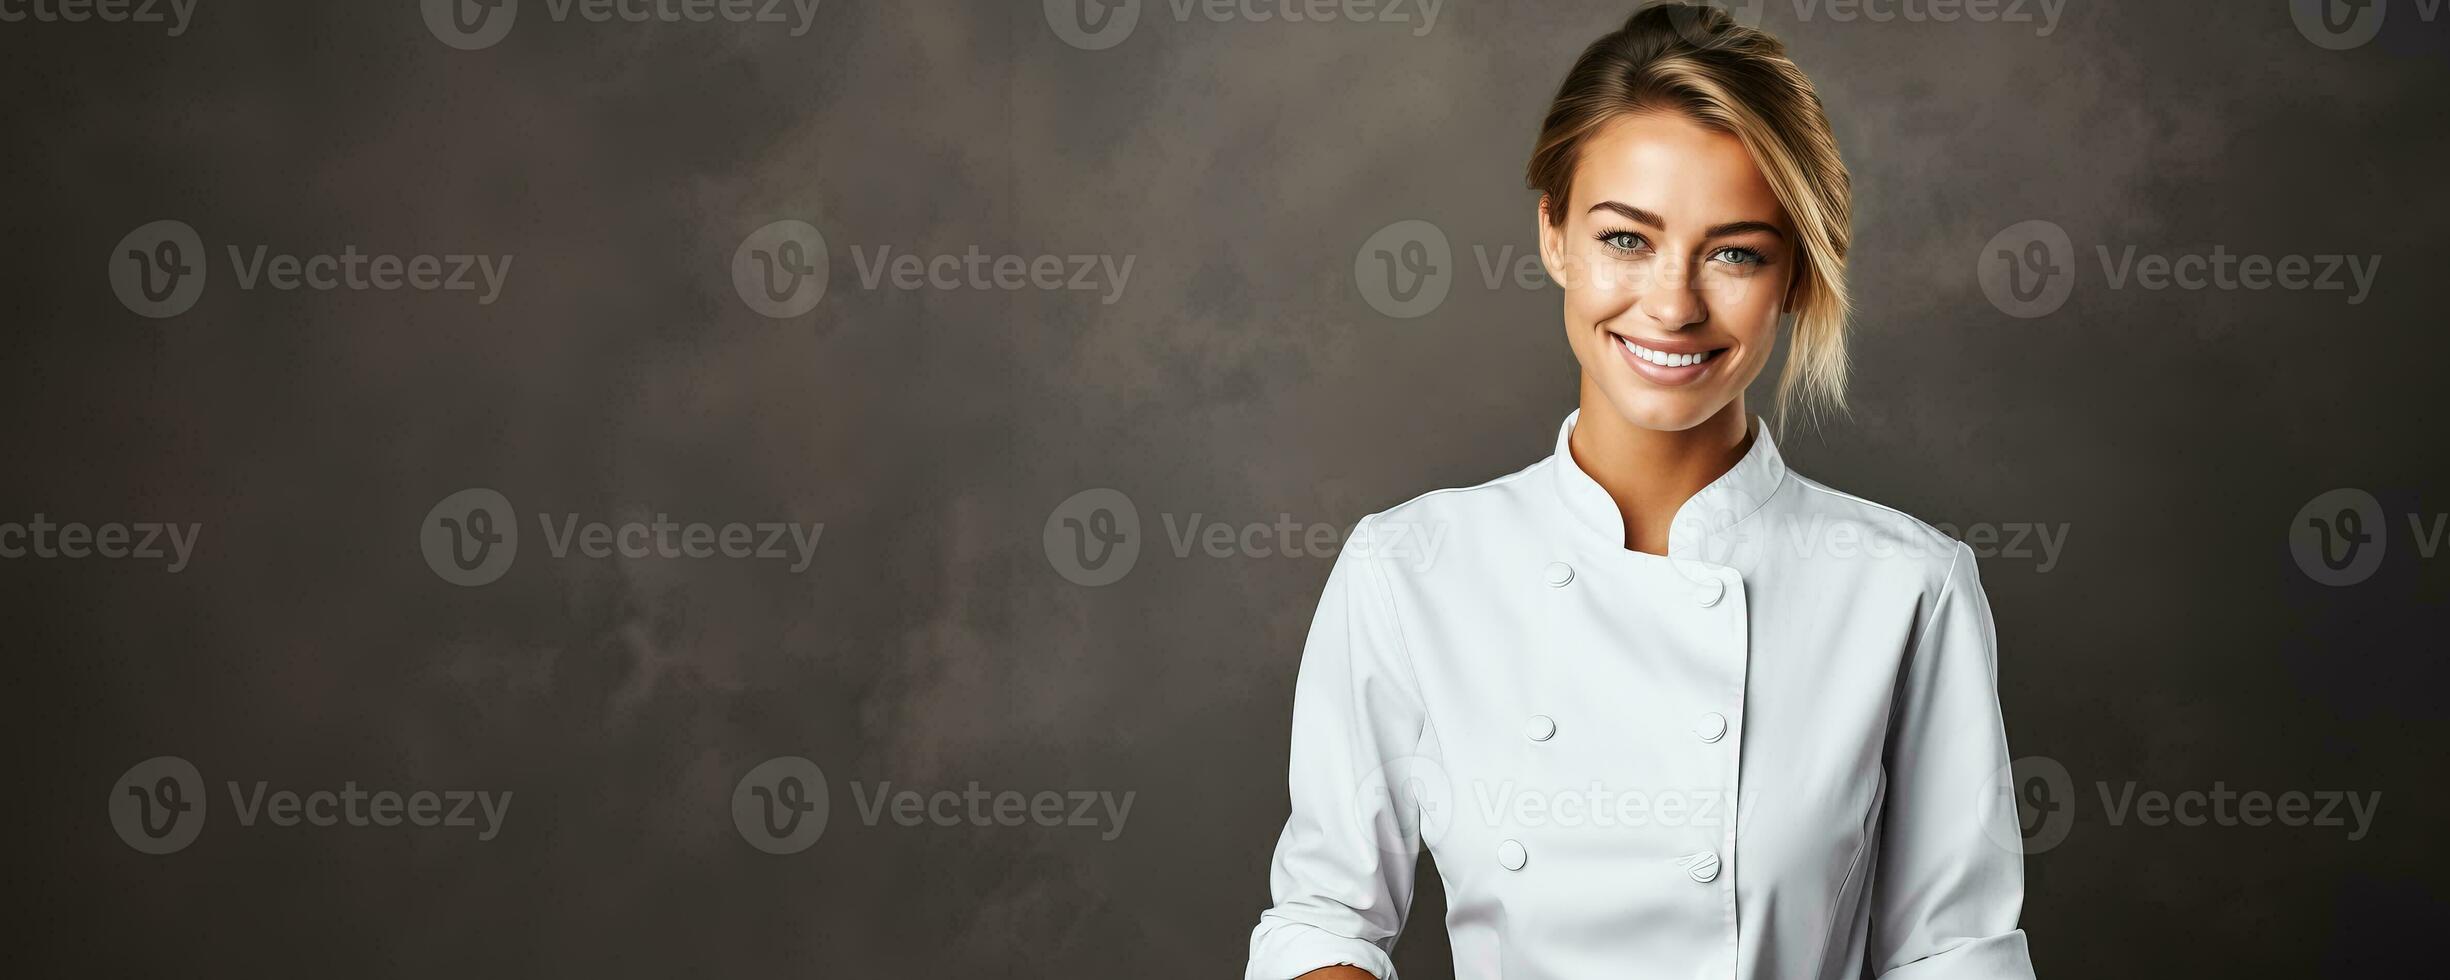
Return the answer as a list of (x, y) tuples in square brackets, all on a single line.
[(1671, 299)]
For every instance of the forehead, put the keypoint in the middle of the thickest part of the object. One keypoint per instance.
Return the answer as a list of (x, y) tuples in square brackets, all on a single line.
[(1668, 164)]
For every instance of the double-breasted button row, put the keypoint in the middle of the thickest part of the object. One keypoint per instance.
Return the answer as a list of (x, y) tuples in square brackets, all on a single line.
[(1711, 727), (1707, 593)]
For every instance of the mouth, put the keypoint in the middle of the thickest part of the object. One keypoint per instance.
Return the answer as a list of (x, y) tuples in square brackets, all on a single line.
[(1667, 364)]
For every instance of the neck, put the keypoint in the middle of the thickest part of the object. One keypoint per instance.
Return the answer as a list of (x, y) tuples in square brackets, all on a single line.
[(1649, 472)]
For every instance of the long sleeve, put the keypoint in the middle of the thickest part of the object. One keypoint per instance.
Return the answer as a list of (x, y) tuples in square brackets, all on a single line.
[(1951, 877), (1343, 871)]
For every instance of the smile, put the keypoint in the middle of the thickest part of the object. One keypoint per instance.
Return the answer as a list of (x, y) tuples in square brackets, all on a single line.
[(1663, 358), (1667, 367)]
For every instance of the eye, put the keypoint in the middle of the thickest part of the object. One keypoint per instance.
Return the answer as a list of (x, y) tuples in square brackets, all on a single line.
[(1623, 241), (1733, 255)]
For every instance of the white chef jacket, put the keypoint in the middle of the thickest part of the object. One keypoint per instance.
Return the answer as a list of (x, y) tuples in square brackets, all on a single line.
[(1774, 752)]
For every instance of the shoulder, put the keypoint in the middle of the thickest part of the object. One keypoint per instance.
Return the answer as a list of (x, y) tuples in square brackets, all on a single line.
[(1821, 523), (1480, 503)]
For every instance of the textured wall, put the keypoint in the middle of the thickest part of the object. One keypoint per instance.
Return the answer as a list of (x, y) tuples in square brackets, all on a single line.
[(1217, 352)]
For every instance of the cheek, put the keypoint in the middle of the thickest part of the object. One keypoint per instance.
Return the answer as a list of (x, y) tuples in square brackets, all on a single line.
[(1596, 293), (1748, 309)]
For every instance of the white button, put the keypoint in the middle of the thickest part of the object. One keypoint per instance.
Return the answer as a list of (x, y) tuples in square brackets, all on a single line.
[(1541, 728), (1559, 573), (1710, 592), (1711, 727), (1702, 866), (1511, 855)]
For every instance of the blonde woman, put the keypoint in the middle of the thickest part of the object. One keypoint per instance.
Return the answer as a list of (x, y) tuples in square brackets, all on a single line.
[(1663, 707)]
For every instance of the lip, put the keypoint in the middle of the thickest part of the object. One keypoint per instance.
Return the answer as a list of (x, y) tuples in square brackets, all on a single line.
[(1670, 377)]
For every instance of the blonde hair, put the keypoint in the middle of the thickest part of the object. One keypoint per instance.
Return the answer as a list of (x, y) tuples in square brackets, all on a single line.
[(1697, 61)]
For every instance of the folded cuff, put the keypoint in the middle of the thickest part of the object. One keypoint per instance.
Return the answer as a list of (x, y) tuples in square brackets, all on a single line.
[(1283, 950), (2000, 957)]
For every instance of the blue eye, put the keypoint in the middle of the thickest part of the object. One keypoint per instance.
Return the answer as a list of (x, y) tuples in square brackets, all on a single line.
[(1739, 256)]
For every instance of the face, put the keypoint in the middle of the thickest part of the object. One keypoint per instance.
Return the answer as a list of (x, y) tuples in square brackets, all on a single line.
[(1676, 260)]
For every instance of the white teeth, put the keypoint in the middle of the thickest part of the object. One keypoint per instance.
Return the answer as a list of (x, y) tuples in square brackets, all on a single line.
[(1661, 358)]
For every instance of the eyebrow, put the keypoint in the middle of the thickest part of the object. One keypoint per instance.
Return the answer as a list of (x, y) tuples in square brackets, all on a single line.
[(1714, 231)]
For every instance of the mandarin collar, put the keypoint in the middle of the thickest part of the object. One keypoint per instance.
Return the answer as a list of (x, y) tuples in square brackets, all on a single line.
[(1699, 525)]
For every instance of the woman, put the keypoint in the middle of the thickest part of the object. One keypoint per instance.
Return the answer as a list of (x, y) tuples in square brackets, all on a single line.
[(1663, 707)]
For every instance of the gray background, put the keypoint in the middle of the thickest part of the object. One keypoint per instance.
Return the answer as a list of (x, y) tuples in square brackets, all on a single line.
[(1241, 376)]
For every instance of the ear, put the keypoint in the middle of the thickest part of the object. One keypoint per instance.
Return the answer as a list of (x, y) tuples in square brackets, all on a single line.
[(1552, 245)]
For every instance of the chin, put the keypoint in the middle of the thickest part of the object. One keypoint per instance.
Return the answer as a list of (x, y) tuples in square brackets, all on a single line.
[(1665, 411)]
